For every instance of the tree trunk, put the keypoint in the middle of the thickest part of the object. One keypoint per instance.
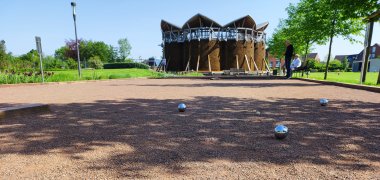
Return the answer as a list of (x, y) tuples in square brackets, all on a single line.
[(331, 40), (306, 51)]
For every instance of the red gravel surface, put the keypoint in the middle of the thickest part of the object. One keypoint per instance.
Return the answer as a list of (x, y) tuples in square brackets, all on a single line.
[(131, 129)]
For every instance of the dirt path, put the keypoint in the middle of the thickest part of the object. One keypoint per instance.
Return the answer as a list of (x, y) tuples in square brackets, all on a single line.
[(131, 129)]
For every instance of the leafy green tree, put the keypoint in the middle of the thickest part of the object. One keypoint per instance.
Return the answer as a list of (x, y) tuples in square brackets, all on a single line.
[(302, 26), (335, 65), (90, 49), (95, 62), (61, 53), (87, 50), (52, 63), (345, 64), (3, 55), (2, 50), (337, 18), (124, 48), (32, 58), (71, 63), (114, 54)]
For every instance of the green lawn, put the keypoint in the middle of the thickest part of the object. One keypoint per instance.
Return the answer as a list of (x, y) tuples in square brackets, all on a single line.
[(345, 77), (87, 74), (72, 75)]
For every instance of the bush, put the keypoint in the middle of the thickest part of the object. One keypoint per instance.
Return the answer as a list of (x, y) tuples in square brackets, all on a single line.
[(335, 65), (125, 66), (95, 62), (72, 63), (52, 63)]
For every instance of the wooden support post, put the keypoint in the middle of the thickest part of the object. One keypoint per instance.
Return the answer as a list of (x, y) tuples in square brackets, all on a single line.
[(237, 62), (188, 64), (254, 63), (209, 63), (199, 58), (246, 60), (167, 64), (267, 66)]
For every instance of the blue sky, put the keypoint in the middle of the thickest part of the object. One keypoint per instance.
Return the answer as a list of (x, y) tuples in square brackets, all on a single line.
[(139, 21)]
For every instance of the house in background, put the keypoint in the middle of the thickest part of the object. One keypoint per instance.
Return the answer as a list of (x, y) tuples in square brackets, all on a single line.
[(350, 58), (273, 61), (314, 56), (374, 60)]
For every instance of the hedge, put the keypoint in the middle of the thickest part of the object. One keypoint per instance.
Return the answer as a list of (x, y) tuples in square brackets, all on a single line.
[(125, 66)]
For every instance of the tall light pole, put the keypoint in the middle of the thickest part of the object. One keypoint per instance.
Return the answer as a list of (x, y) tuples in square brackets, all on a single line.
[(73, 5)]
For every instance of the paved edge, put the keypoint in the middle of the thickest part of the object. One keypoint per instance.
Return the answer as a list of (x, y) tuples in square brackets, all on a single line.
[(64, 82), (237, 77), (352, 86), (23, 109)]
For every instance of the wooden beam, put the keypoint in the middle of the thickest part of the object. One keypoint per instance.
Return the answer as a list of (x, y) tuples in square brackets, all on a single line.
[(237, 62), (188, 64), (267, 65), (199, 58), (254, 63), (167, 64), (209, 63), (246, 60)]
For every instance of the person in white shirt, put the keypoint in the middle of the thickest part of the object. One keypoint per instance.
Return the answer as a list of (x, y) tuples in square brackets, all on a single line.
[(296, 63)]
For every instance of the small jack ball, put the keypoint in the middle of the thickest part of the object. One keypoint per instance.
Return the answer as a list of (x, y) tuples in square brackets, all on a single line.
[(281, 131), (323, 101), (182, 107)]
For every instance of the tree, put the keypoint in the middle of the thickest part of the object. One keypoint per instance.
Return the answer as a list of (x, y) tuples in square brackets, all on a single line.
[(302, 26), (124, 48), (3, 54), (96, 48), (340, 18), (87, 50), (114, 53), (95, 62), (72, 63), (335, 65), (61, 53), (276, 43), (345, 64)]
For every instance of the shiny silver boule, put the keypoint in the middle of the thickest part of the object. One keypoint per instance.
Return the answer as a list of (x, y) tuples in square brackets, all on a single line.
[(281, 131), (323, 101), (182, 107)]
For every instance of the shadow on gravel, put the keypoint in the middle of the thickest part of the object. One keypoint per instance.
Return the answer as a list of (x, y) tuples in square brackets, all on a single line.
[(344, 134)]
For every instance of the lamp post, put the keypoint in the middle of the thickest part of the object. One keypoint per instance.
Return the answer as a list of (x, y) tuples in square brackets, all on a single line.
[(73, 5)]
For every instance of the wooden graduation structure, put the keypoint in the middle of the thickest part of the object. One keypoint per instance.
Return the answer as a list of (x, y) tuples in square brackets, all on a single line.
[(202, 44)]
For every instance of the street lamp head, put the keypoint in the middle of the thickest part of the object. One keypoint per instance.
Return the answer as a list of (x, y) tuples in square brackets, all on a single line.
[(73, 4)]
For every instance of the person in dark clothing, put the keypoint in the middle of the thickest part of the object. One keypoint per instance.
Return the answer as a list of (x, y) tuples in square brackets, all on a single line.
[(288, 58)]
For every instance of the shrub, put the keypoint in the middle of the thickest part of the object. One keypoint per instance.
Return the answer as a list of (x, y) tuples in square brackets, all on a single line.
[(125, 66), (72, 63), (95, 62), (52, 63), (335, 65)]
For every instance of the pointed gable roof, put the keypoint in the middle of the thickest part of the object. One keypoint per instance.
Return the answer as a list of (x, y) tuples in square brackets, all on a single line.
[(200, 20), (167, 26), (244, 22), (262, 26)]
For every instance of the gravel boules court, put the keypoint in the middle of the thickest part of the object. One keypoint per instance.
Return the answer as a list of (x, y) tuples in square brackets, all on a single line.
[(132, 129)]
